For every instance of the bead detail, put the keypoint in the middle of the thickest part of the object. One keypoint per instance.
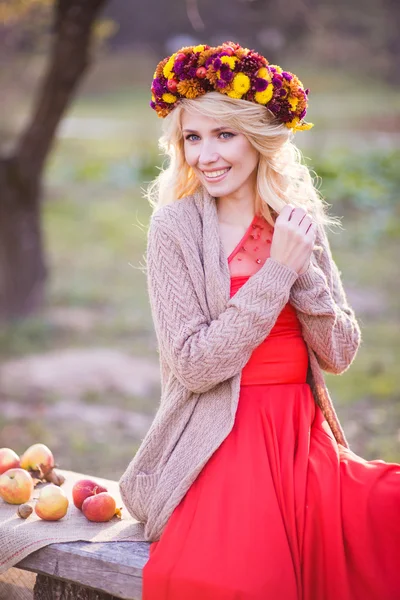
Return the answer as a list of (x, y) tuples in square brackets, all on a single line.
[(258, 260)]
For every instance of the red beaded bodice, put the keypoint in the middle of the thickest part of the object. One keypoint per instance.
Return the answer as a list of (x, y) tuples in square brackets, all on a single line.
[(282, 357)]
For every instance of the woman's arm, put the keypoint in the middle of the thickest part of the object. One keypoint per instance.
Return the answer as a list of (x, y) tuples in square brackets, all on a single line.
[(328, 322), (200, 353)]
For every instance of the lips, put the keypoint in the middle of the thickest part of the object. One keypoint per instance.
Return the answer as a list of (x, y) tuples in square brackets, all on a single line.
[(216, 174)]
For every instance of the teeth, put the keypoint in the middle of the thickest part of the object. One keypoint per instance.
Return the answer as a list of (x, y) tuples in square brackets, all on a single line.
[(213, 174)]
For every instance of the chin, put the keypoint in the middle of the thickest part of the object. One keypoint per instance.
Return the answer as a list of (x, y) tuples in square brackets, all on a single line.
[(220, 189)]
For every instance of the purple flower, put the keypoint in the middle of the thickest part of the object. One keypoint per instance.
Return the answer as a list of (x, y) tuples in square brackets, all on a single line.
[(217, 63), (157, 87), (192, 72), (307, 91), (221, 83), (179, 67), (303, 114), (282, 93), (226, 75), (277, 82), (152, 104), (287, 75), (260, 84), (272, 69)]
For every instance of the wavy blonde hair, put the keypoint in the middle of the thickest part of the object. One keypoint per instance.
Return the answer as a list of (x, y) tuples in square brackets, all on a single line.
[(281, 176)]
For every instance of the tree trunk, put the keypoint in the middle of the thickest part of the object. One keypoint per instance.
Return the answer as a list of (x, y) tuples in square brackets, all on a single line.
[(22, 262), (22, 267)]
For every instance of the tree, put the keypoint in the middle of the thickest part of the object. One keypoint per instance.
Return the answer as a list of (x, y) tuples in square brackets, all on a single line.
[(23, 270)]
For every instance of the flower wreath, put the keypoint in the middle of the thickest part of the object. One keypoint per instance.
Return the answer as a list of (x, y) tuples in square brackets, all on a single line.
[(232, 70)]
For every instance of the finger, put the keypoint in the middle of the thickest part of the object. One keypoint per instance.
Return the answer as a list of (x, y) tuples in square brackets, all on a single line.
[(305, 224), (312, 232), (297, 215), (285, 213)]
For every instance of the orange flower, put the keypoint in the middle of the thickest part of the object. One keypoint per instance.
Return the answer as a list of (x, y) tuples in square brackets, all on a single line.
[(190, 88)]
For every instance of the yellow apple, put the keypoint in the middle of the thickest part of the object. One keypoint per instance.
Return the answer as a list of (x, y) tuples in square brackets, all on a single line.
[(52, 503), (8, 460), (16, 486), (37, 456)]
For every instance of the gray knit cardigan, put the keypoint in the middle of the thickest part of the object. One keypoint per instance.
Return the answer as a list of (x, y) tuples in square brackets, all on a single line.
[(205, 338)]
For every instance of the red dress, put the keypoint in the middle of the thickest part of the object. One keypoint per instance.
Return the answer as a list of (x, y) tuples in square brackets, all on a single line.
[(280, 511)]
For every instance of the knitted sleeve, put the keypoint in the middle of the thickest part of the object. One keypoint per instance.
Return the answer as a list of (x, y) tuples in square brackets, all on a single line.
[(328, 322), (201, 353)]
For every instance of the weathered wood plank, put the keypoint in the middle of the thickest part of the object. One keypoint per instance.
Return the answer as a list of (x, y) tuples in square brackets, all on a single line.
[(112, 567), (16, 584)]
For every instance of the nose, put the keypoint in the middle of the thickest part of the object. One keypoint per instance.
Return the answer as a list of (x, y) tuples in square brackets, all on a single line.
[(208, 154)]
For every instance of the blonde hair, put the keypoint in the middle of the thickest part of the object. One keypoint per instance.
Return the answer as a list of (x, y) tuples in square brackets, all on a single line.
[(281, 176)]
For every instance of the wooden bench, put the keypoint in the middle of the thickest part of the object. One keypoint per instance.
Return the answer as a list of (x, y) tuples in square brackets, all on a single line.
[(87, 570)]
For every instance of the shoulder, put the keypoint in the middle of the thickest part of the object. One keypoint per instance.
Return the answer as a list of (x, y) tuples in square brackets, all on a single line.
[(176, 219)]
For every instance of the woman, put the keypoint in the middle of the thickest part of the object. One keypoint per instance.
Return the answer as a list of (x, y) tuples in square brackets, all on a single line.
[(245, 484)]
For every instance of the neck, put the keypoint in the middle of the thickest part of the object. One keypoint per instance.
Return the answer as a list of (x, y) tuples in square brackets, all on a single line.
[(235, 210)]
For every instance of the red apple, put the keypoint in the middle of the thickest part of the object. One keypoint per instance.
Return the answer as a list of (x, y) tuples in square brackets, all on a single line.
[(37, 456), (85, 488), (99, 508), (16, 486), (180, 56), (201, 72), (172, 85), (52, 503), (8, 460)]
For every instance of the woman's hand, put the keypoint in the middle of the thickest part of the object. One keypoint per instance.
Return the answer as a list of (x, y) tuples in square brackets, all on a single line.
[(294, 238)]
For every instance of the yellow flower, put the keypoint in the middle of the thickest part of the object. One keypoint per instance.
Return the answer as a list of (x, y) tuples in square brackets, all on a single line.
[(167, 70), (233, 94), (241, 83), (169, 98), (293, 103), (278, 69), (294, 124), (264, 73), (229, 60), (198, 48), (153, 97), (265, 96)]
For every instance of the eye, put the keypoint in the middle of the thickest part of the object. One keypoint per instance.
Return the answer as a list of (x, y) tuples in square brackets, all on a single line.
[(191, 136), (227, 135)]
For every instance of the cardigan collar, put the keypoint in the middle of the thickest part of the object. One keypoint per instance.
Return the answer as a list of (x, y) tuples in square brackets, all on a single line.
[(215, 261)]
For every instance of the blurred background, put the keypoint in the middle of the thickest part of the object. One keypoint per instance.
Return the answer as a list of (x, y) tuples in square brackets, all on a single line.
[(78, 145)]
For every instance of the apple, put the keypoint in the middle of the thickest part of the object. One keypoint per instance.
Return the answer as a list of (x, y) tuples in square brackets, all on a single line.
[(83, 489), (100, 507), (16, 486), (52, 503), (201, 72), (37, 456), (8, 460), (172, 85)]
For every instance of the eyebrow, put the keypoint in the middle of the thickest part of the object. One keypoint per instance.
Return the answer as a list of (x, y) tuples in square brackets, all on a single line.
[(215, 130)]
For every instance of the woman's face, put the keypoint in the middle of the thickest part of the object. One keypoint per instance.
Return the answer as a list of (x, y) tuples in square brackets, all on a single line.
[(223, 159)]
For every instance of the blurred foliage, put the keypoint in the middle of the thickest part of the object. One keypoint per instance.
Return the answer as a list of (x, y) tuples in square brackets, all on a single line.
[(364, 185)]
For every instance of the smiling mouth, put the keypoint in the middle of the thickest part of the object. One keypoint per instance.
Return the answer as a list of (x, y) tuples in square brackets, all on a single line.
[(217, 174)]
